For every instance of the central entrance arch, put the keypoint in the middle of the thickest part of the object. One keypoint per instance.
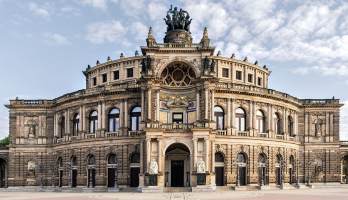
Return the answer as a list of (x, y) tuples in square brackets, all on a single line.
[(177, 166)]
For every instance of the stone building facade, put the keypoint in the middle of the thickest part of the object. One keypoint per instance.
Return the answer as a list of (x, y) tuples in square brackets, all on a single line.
[(178, 115)]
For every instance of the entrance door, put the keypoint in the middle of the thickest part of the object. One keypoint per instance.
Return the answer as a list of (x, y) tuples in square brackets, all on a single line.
[(134, 176), (74, 178), (111, 177), (278, 176), (177, 173), (60, 183), (178, 118), (219, 176), (91, 177), (242, 176)]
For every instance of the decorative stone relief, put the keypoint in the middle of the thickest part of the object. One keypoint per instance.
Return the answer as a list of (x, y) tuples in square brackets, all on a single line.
[(200, 166), (153, 169)]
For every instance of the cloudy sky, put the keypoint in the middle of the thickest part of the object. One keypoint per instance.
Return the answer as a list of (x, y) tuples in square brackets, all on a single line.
[(46, 44)]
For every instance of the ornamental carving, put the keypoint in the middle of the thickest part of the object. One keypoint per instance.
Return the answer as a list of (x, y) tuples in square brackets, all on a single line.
[(178, 75), (200, 167), (153, 169)]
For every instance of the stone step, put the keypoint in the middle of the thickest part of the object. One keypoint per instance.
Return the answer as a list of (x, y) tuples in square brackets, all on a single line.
[(177, 189)]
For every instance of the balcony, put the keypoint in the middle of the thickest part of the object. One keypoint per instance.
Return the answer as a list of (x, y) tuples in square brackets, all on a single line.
[(221, 132), (280, 137), (90, 135), (113, 134), (177, 126), (263, 135), (243, 133), (134, 133)]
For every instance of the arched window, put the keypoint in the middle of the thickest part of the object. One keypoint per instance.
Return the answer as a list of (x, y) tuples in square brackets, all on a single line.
[(219, 157), (241, 158), (290, 126), (73, 161), (76, 124), (277, 124), (135, 158), (240, 119), (135, 118), (62, 127), (60, 162), (93, 121), (219, 118), (114, 120), (112, 159), (91, 160), (260, 121), (178, 74)]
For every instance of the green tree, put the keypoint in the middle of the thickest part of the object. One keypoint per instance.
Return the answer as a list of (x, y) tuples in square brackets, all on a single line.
[(5, 141)]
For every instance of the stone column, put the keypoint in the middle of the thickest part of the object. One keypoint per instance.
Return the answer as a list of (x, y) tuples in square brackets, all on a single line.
[(141, 174), (83, 118), (103, 115), (55, 124), (67, 122), (306, 134), (295, 124), (160, 167), (197, 106), (125, 118), (157, 105), (206, 94), (212, 156), (142, 104), (148, 153), (206, 142), (212, 105), (100, 115), (331, 127), (149, 100), (195, 146), (233, 114), (228, 111)]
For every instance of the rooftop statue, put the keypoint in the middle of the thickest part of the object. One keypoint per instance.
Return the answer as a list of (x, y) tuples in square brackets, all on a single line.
[(177, 19)]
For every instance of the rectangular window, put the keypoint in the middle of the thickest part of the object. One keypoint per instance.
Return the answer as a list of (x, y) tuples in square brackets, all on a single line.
[(116, 75), (239, 75), (129, 72), (250, 78), (94, 81), (259, 81), (225, 72), (105, 78)]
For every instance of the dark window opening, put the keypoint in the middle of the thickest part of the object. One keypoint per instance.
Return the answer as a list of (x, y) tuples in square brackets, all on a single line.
[(129, 72), (225, 72), (239, 75), (259, 81), (105, 78), (116, 75), (250, 78)]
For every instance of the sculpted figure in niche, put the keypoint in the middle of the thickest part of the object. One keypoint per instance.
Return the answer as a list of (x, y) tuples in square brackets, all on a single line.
[(31, 128), (153, 167), (317, 127), (31, 168), (200, 167)]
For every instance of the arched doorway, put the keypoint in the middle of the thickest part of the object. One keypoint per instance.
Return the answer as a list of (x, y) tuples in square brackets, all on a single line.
[(60, 171), (291, 167), (73, 164), (112, 171), (345, 169), (263, 173), (241, 169), (177, 166), (279, 169), (3, 173), (91, 171), (219, 169), (134, 169)]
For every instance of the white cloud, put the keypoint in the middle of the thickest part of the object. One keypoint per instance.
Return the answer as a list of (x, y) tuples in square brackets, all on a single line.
[(139, 30), (101, 32), (39, 10), (100, 4), (56, 39)]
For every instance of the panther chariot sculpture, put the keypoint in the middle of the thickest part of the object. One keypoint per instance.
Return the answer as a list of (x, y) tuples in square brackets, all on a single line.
[(178, 26)]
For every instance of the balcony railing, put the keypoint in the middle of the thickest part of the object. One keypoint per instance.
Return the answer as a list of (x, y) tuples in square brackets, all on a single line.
[(262, 134), (177, 126), (113, 134), (90, 135), (243, 133), (280, 137), (134, 133), (221, 132)]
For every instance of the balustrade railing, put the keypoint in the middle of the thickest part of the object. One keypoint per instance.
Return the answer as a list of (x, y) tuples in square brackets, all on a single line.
[(243, 133)]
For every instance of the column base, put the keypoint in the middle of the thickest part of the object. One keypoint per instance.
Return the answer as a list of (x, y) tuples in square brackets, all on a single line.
[(151, 189), (204, 188)]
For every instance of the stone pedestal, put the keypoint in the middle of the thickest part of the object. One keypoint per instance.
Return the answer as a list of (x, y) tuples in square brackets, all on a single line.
[(204, 188), (151, 189)]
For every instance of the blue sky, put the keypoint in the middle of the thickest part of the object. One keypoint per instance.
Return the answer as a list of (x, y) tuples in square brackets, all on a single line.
[(46, 44)]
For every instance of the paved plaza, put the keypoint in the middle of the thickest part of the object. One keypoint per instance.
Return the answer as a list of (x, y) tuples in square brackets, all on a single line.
[(307, 194)]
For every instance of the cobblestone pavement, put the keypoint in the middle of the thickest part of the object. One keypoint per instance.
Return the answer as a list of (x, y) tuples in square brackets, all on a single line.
[(305, 194)]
